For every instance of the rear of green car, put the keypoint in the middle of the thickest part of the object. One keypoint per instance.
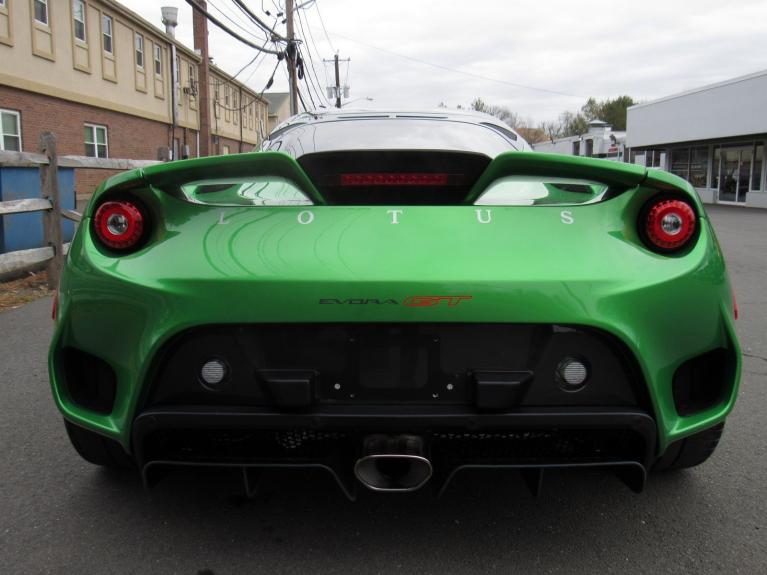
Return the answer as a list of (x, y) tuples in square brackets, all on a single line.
[(267, 316)]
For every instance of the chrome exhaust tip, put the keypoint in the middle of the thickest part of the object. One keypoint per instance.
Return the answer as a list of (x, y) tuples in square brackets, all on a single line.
[(393, 463)]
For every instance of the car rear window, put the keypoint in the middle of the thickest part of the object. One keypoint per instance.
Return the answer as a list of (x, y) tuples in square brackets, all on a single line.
[(399, 133)]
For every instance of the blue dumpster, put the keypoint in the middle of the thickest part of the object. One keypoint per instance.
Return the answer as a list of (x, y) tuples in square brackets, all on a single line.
[(25, 231)]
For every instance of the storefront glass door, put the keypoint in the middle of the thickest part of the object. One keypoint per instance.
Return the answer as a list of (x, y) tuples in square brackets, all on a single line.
[(734, 173)]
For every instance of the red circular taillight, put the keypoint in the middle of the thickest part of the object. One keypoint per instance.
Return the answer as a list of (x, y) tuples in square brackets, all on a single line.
[(119, 225), (669, 224)]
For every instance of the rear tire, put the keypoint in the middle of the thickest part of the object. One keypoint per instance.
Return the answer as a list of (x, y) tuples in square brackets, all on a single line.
[(690, 451), (97, 449)]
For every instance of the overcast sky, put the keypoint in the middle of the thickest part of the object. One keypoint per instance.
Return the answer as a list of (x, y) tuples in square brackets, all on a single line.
[(536, 57)]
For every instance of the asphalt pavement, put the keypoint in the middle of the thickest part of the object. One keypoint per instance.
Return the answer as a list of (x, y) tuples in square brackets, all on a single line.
[(59, 514)]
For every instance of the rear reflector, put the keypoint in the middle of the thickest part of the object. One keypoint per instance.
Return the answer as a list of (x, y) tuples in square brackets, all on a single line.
[(394, 179), (119, 225), (669, 224)]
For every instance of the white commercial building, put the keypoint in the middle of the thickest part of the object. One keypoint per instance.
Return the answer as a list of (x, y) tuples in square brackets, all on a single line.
[(598, 142), (713, 136)]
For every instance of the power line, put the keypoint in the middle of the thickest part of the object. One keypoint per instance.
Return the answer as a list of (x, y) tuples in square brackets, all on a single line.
[(310, 85), (311, 60), (270, 81), (316, 52), (241, 70), (257, 66), (455, 70), (317, 5), (253, 71), (234, 22), (258, 20), (309, 92), (223, 27)]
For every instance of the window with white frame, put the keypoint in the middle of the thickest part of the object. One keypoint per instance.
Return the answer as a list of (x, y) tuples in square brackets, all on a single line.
[(96, 145), (10, 131), (139, 51), (106, 32), (158, 60), (78, 19), (41, 11), (192, 78)]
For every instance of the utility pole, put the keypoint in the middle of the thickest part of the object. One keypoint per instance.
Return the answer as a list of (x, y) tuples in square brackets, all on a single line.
[(337, 88), (291, 54), (338, 83), (200, 24)]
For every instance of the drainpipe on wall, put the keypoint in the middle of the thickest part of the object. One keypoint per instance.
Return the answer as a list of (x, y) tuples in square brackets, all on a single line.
[(174, 97), (170, 19), (239, 100)]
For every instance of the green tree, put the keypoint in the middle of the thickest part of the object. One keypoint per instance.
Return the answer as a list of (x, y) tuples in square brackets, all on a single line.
[(612, 111)]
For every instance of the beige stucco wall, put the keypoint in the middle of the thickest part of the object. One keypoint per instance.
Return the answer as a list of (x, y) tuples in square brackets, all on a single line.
[(226, 118), (50, 60)]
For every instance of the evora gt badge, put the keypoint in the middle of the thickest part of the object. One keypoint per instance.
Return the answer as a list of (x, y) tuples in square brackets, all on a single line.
[(410, 301)]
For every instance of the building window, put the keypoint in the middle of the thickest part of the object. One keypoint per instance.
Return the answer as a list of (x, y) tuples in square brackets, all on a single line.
[(192, 80), (158, 60), (78, 19), (96, 141), (41, 11), (225, 150), (10, 131), (106, 31), (690, 164), (653, 158), (140, 51)]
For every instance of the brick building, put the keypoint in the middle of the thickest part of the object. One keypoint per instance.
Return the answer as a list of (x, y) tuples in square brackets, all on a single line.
[(110, 84)]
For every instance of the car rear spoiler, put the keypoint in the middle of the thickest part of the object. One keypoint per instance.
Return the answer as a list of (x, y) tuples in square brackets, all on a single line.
[(618, 176), (170, 176)]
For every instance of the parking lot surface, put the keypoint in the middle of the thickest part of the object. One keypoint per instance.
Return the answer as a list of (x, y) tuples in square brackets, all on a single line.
[(59, 514)]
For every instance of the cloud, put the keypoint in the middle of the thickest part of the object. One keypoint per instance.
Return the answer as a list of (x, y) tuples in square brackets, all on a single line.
[(585, 48)]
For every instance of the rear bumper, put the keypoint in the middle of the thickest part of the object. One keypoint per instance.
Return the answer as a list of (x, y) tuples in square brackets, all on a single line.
[(331, 438)]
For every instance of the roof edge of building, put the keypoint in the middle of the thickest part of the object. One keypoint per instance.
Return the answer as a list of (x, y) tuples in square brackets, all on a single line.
[(699, 89)]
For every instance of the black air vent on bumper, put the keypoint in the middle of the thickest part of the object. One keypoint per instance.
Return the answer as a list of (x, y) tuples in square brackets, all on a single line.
[(703, 381), (90, 381)]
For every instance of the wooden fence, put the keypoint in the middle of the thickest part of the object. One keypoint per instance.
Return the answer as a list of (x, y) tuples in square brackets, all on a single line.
[(49, 162)]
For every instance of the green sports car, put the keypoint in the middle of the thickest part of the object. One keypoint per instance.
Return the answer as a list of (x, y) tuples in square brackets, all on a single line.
[(394, 298)]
